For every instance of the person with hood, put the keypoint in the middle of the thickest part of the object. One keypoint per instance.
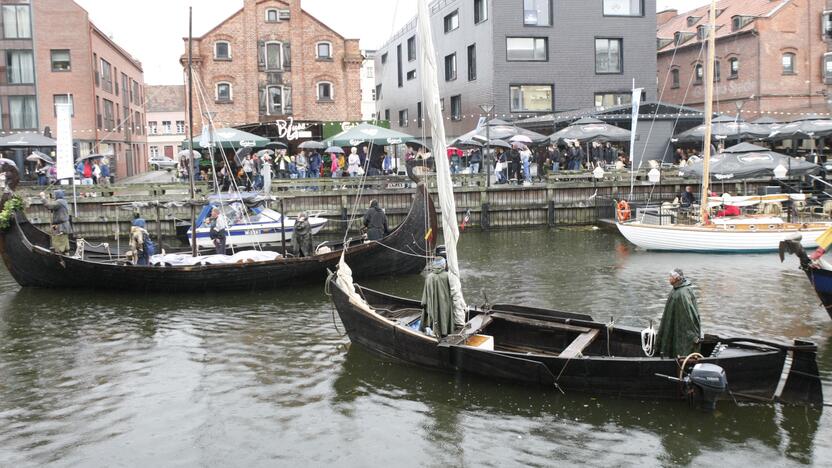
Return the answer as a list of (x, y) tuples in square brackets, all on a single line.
[(680, 329), (375, 221), (334, 169), (302, 237), (141, 248), (61, 225), (354, 168), (437, 303)]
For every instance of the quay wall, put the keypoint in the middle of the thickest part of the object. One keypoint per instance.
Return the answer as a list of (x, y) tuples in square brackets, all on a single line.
[(566, 200)]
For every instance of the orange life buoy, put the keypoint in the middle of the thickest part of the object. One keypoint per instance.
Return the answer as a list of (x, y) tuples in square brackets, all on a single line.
[(622, 211)]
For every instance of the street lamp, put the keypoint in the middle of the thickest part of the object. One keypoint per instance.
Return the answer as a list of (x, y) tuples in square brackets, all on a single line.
[(487, 108)]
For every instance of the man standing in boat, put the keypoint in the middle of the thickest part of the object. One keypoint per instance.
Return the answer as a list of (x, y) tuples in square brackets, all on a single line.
[(61, 225), (680, 329), (375, 221), (219, 230), (302, 237)]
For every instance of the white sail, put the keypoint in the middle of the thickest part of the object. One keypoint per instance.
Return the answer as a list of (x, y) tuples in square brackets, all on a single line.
[(430, 88)]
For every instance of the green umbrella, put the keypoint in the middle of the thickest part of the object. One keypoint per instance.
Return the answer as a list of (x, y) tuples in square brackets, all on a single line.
[(371, 134), (229, 138)]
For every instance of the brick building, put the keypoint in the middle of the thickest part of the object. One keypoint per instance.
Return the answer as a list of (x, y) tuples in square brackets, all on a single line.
[(55, 54), (166, 117), (771, 57), (272, 60)]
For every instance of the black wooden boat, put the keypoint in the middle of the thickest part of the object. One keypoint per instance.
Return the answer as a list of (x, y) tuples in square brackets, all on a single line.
[(574, 353), (819, 275), (25, 251)]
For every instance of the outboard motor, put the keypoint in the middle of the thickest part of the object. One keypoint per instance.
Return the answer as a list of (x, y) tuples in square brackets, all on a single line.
[(709, 382)]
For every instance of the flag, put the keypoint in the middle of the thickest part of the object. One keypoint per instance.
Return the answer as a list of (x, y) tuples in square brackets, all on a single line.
[(465, 220)]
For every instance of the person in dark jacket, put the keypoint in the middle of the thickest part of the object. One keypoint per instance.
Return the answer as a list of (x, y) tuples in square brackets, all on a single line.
[(687, 198), (542, 158), (375, 221), (60, 212), (302, 237), (514, 165), (680, 328), (315, 163)]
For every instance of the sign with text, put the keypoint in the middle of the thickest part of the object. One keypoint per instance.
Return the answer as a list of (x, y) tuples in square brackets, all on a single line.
[(65, 164)]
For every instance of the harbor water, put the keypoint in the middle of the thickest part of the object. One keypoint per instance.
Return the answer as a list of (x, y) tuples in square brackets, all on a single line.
[(266, 378)]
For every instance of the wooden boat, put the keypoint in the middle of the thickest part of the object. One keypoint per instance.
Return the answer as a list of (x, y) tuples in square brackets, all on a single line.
[(25, 251), (571, 352), (819, 272)]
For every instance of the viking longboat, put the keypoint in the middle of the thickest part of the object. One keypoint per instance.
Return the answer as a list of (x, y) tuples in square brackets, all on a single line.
[(573, 353), (26, 252)]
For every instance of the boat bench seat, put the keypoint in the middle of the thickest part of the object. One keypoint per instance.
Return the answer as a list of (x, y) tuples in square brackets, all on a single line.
[(540, 323), (580, 343)]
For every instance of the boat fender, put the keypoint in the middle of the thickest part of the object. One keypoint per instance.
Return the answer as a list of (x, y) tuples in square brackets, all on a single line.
[(622, 211), (648, 340)]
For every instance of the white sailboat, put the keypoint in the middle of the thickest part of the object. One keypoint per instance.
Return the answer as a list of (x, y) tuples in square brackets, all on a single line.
[(734, 234)]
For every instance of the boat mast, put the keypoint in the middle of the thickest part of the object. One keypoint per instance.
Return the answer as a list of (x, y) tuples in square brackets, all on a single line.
[(191, 130), (709, 111)]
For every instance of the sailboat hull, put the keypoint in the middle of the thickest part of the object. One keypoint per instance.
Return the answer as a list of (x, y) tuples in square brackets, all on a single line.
[(715, 239)]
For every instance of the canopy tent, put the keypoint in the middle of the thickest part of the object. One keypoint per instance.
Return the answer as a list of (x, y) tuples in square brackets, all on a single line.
[(497, 129), (746, 161), (229, 138), (809, 127), (27, 140), (370, 134), (588, 129), (725, 127)]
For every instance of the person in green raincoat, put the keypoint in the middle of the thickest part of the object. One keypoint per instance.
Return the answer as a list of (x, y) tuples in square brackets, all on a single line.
[(680, 329), (437, 304)]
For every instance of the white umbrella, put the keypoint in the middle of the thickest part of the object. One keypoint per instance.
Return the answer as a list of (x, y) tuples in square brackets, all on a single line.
[(520, 139)]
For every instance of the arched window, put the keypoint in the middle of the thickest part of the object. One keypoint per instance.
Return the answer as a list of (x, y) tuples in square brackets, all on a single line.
[(224, 92), (325, 91), (698, 73), (222, 50), (734, 68), (717, 73), (674, 78), (272, 15), (788, 64), (323, 50)]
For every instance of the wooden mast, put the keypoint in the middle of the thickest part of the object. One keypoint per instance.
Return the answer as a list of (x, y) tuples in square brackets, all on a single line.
[(191, 130), (709, 111)]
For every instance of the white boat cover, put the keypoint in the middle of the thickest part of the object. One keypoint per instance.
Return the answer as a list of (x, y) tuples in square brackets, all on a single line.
[(247, 256)]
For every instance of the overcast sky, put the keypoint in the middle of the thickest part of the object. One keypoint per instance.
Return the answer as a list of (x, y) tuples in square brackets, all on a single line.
[(158, 26)]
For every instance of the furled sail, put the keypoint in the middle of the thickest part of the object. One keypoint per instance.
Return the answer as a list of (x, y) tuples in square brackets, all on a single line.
[(430, 89)]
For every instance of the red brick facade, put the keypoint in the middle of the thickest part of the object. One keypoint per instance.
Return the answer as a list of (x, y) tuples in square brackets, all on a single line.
[(62, 25), (766, 31), (273, 68)]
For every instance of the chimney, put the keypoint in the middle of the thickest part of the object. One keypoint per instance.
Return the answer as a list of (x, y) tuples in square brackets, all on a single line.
[(664, 16)]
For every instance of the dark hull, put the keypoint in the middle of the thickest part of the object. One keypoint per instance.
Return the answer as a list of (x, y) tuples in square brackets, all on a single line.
[(822, 282), (25, 251), (753, 372)]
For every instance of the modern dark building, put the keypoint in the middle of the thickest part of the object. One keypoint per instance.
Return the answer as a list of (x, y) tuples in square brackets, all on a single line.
[(524, 57)]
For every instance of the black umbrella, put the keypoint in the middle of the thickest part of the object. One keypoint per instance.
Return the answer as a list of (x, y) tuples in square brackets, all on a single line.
[(809, 127), (588, 130), (724, 127), (497, 129), (91, 156), (241, 154), (37, 155), (468, 144), (747, 161), (276, 145), (311, 145), (263, 153), (499, 144)]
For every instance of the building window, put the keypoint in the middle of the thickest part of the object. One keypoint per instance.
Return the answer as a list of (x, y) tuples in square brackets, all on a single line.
[(151, 128), (387, 114), (167, 129), (788, 63), (531, 98), (608, 56), (109, 116), (106, 76), (224, 92), (527, 49), (738, 22), (274, 59), (419, 114), (154, 152), (325, 91), (384, 58), (717, 71), (411, 48), (674, 78), (16, 22), (222, 50), (698, 74), (537, 12), (323, 50), (275, 100), (826, 25), (378, 91), (450, 67), (456, 107), (411, 75), (480, 11), (625, 8), (472, 62), (733, 68), (452, 21), (827, 68), (61, 60), (63, 99), (272, 15), (180, 126), (693, 20), (403, 118), (20, 67), (702, 32), (399, 74), (23, 112), (604, 100), (442, 104)]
